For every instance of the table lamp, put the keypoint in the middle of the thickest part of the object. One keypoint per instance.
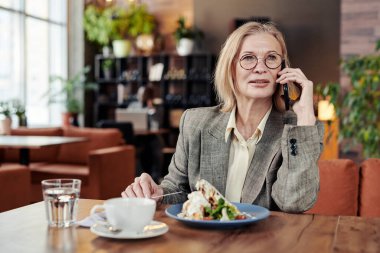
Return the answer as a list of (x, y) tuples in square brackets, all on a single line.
[(326, 111), (326, 114)]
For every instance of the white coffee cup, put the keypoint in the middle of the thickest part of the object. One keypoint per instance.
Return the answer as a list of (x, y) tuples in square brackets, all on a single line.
[(128, 214)]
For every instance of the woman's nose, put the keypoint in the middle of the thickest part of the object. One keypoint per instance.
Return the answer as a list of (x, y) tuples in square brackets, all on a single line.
[(260, 67)]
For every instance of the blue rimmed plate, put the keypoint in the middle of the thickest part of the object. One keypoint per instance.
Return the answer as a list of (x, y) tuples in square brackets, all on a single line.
[(255, 213)]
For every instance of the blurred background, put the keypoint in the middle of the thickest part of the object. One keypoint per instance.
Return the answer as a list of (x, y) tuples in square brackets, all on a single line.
[(47, 41)]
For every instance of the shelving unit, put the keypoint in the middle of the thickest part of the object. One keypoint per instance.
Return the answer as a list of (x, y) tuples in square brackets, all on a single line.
[(186, 83)]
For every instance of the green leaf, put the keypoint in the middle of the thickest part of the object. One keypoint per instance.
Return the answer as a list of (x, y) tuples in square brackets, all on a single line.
[(208, 210), (217, 212)]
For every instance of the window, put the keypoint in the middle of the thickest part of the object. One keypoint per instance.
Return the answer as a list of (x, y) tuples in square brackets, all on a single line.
[(33, 46)]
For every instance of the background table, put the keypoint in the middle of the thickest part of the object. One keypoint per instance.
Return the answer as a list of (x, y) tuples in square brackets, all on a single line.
[(25, 230), (24, 143)]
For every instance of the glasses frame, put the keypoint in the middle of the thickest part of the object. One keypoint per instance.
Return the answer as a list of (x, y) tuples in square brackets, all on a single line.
[(262, 58)]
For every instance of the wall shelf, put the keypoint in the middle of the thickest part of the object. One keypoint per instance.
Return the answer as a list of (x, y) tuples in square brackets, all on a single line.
[(186, 82)]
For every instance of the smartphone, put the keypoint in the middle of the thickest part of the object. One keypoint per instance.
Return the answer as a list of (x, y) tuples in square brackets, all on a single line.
[(286, 94), (285, 89)]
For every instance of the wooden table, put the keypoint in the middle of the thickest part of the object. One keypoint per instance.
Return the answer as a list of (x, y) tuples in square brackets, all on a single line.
[(24, 143), (25, 230)]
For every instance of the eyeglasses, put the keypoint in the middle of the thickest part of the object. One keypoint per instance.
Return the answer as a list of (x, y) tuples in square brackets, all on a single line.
[(249, 61)]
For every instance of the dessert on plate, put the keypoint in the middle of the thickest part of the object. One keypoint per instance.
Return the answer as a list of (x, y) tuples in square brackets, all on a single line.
[(207, 203)]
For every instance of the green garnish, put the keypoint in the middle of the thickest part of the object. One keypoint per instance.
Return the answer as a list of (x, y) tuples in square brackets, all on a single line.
[(216, 213)]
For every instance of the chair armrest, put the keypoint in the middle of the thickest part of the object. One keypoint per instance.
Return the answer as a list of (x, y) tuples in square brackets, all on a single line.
[(369, 197), (112, 169), (16, 185)]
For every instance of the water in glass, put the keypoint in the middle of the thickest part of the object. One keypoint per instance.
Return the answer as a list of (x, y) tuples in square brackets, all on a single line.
[(61, 202)]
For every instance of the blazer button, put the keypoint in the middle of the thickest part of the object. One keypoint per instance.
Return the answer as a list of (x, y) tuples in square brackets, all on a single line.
[(293, 147)]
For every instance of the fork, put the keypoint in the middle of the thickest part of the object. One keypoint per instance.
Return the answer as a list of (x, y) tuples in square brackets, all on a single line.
[(164, 195)]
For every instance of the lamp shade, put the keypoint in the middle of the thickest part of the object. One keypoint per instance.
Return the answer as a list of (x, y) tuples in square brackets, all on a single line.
[(326, 110)]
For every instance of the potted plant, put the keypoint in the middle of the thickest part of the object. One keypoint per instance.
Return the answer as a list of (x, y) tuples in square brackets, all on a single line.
[(121, 43), (361, 105), (107, 68), (358, 109), (98, 27), (185, 37), (6, 120), (19, 111), (141, 27), (67, 93)]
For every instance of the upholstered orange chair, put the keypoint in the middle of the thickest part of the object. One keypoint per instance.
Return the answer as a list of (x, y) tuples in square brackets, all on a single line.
[(15, 186), (369, 201), (103, 163), (339, 184)]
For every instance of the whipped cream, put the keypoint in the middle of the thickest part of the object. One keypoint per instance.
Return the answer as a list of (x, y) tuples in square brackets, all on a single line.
[(193, 208)]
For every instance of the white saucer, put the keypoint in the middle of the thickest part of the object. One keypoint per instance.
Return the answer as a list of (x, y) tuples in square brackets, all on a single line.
[(155, 228)]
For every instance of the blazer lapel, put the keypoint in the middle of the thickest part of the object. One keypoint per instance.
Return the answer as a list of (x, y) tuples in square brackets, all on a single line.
[(266, 149), (215, 153)]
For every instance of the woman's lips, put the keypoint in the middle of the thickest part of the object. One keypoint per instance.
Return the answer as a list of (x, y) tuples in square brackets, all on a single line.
[(259, 82)]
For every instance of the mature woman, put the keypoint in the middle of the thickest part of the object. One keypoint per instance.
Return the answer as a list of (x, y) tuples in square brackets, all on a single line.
[(248, 147)]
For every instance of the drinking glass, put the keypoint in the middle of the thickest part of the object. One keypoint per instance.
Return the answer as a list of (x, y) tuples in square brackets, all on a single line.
[(61, 201)]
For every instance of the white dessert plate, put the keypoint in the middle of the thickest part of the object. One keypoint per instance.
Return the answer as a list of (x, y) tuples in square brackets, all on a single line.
[(155, 228)]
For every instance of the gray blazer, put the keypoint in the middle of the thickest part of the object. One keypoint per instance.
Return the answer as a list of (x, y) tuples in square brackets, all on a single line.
[(283, 174)]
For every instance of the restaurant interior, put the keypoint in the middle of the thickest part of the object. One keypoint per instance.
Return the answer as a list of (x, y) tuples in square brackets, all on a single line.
[(95, 90)]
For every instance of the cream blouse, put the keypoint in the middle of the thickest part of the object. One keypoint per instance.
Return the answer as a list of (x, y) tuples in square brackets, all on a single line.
[(241, 154)]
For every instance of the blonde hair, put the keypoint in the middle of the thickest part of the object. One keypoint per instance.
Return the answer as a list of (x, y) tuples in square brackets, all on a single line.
[(224, 72)]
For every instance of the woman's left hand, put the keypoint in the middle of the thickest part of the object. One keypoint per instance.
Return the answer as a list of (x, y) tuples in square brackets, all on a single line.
[(304, 107)]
